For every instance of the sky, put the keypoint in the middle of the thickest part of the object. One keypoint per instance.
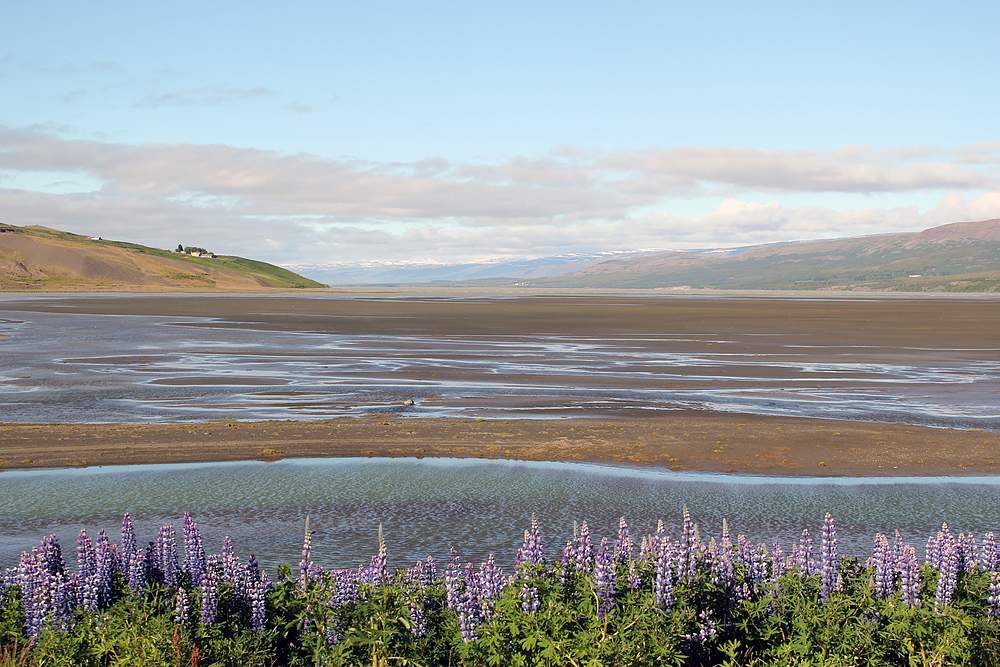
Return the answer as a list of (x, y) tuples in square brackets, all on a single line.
[(339, 132)]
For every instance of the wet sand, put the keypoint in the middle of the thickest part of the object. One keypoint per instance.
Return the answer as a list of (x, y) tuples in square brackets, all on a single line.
[(721, 443), (893, 329)]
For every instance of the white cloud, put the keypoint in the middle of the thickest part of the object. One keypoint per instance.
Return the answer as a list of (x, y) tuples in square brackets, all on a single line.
[(208, 96), (318, 210)]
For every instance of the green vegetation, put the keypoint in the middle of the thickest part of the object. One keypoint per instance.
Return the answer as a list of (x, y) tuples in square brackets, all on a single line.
[(666, 602)]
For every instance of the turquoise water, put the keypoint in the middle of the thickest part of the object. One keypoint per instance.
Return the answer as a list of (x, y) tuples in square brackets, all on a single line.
[(427, 506)]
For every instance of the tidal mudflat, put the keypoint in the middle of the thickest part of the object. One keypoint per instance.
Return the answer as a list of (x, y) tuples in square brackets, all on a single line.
[(787, 384)]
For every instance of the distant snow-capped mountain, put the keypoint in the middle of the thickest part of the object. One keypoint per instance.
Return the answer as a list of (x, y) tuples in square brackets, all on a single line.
[(373, 273)]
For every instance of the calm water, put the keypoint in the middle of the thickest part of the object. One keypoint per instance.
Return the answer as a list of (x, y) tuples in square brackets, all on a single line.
[(476, 506), (65, 367)]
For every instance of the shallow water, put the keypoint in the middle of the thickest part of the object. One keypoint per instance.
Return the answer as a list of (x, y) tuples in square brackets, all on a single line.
[(66, 367), (478, 507)]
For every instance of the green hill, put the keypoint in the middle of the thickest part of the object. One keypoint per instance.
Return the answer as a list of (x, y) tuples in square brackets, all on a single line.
[(39, 258)]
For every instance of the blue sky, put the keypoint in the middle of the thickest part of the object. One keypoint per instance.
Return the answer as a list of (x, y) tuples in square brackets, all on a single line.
[(338, 132)]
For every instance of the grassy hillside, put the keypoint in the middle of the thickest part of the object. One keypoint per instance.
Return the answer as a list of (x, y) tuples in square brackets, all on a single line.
[(949, 260), (42, 258)]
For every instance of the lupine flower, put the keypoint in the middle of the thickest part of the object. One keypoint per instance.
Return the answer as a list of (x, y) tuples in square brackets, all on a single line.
[(469, 606), (377, 572), (305, 563), (165, 556), (418, 620), (687, 548), (988, 554), (529, 599), (805, 553), (531, 552), (994, 598), (86, 564), (194, 552), (909, 576), (258, 602), (884, 567), (209, 596), (664, 581), (584, 551), (623, 545), (706, 629), (604, 578), (947, 578), (829, 563), (181, 608), (777, 562), (106, 564)]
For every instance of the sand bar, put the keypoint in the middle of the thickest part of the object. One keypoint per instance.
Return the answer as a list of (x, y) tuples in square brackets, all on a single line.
[(723, 443)]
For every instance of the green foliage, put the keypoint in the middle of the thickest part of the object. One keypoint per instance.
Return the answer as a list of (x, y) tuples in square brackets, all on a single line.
[(781, 622)]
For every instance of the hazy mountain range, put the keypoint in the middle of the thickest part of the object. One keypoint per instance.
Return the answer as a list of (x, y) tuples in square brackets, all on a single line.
[(955, 257)]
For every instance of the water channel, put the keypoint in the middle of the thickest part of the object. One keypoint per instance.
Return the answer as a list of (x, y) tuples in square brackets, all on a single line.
[(427, 506)]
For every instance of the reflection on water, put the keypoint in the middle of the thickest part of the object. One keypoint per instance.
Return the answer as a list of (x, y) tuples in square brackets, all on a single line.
[(60, 367), (428, 505)]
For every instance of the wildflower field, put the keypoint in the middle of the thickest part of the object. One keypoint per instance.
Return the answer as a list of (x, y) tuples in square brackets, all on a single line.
[(617, 600)]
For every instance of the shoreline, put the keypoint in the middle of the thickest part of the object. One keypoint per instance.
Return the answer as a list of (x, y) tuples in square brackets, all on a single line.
[(683, 441)]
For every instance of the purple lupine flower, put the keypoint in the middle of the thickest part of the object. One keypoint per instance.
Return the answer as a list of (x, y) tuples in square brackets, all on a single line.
[(194, 551), (909, 576), (258, 602), (529, 599), (181, 608), (988, 554), (584, 551), (663, 584), (687, 548), (947, 577), (165, 556), (34, 594), (567, 564), (86, 565), (829, 562), (604, 579), (51, 554), (805, 553), (232, 569), (491, 579), (884, 567), (994, 598), (305, 564), (128, 544), (209, 596), (452, 579), (106, 565), (377, 573), (633, 576), (418, 620), (970, 552), (624, 544), (86, 558), (777, 562), (137, 573), (707, 629), (531, 552), (469, 606), (931, 551)]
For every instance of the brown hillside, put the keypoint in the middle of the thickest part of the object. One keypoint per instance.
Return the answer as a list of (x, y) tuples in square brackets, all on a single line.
[(987, 230), (74, 262)]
